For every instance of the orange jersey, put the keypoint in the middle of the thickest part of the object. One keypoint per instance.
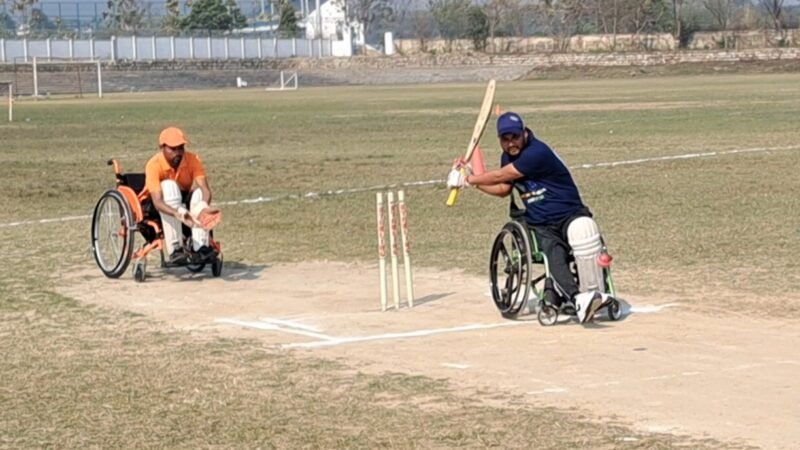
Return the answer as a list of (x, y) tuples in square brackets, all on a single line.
[(158, 170)]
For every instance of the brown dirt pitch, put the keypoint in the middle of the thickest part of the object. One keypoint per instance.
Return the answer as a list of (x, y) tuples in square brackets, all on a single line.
[(667, 367)]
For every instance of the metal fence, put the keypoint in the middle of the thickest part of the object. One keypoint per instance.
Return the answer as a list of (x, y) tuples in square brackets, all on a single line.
[(136, 48)]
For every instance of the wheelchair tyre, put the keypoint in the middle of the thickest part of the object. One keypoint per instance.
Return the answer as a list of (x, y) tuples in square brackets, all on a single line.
[(196, 268), (614, 310), (547, 315), (216, 266), (510, 269), (139, 271), (112, 234)]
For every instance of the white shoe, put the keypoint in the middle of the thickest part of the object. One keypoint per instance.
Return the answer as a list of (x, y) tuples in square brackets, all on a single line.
[(588, 303)]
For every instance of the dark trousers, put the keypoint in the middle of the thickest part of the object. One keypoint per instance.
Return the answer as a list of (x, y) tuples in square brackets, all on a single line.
[(554, 243)]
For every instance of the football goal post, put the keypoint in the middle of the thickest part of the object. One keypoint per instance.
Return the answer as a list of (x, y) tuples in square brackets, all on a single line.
[(288, 82), (51, 76), (7, 92)]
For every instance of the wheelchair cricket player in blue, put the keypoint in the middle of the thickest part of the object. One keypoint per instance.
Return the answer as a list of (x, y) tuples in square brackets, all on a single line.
[(551, 232)]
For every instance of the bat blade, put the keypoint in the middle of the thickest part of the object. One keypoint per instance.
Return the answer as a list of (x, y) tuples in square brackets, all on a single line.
[(477, 132)]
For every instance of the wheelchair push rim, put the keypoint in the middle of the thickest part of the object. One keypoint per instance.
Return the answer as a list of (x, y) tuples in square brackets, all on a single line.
[(510, 269), (112, 234)]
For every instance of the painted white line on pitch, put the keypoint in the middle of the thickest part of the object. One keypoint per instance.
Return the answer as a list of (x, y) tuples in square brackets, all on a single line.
[(291, 324), (683, 156), (335, 192), (455, 366), (743, 367), (409, 334), (271, 327), (43, 221), (650, 309), (557, 390)]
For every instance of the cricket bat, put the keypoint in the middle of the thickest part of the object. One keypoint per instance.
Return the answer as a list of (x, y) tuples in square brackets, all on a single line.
[(477, 132)]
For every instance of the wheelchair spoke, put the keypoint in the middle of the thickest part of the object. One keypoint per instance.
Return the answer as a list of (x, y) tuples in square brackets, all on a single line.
[(510, 269), (112, 239), (112, 221)]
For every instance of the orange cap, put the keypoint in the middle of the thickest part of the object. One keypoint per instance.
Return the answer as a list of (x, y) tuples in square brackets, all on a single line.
[(172, 137)]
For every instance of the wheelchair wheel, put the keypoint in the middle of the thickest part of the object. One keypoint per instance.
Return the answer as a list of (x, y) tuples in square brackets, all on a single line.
[(216, 266), (510, 269), (112, 234), (196, 268), (140, 271), (614, 310), (547, 315)]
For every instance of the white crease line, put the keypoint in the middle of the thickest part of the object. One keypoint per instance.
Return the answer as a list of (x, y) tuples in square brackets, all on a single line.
[(430, 182), (410, 334), (43, 221), (291, 324), (607, 383), (647, 309), (548, 391), (743, 367), (455, 366), (271, 327), (684, 156), (659, 377)]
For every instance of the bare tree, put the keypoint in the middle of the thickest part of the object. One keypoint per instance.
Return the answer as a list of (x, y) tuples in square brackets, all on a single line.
[(562, 18), (24, 8), (124, 15), (609, 15), (774, 11), (677, 6), (722, 11)]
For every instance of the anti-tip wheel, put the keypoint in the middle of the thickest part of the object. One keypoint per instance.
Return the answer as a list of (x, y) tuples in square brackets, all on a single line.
[(216, 266), (547, 315), (139, 272), (195, 267), (614, 310)]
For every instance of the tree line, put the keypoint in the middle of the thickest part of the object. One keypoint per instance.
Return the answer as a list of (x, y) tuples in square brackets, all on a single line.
[(477, 20), (26, 18)]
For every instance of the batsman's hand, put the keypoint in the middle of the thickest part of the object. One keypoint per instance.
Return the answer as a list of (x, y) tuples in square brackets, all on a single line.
[(456, 179), (209, 218), (460, 164), (187, 219)]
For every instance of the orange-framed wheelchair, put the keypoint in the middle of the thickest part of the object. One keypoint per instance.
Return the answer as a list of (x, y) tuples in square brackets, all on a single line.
[(127, 209)]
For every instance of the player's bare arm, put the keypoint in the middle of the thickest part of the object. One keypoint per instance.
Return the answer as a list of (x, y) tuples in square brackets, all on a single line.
[(202, 183), (495, 182)]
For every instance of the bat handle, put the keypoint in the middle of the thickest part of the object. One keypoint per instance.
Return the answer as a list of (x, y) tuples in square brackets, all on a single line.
[(451, 199)]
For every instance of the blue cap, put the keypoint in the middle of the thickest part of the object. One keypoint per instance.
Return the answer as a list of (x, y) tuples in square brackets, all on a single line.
[(510, 123)]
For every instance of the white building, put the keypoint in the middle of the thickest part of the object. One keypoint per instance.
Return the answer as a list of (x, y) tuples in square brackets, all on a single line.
[(331, 19)]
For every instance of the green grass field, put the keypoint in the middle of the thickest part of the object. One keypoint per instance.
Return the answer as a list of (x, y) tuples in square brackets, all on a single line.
[(721, 231)]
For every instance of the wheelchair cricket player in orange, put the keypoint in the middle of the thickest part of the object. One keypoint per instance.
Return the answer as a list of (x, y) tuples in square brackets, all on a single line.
[(155, 203)]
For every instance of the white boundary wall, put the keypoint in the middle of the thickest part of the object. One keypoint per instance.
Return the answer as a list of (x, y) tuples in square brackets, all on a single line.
[(138, 48)]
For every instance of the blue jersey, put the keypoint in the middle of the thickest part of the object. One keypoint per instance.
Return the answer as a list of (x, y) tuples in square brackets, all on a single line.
[(547, 188)]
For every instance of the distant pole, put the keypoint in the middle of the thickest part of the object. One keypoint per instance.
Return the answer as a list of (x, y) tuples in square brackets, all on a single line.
[(319, 19), (99, 80)]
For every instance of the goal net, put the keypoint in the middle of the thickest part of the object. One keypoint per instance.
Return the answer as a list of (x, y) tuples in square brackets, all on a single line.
[(287, 81), (51, 76)]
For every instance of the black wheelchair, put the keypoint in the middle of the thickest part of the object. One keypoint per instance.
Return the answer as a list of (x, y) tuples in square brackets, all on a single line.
[(127, 209), (520, 274)]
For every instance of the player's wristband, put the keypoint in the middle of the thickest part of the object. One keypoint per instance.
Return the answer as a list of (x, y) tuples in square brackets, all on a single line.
[(182, 212)]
